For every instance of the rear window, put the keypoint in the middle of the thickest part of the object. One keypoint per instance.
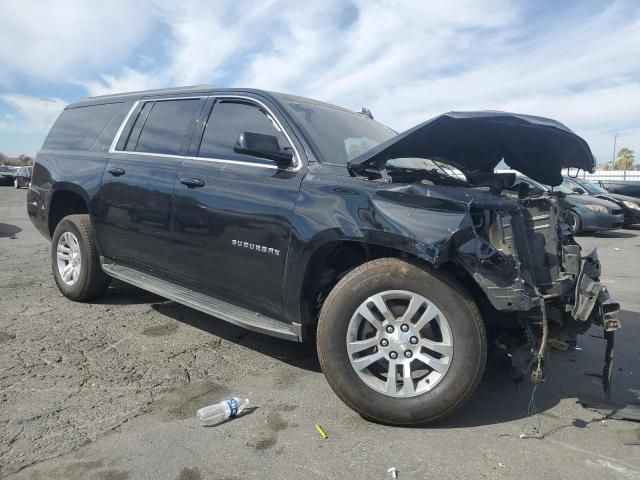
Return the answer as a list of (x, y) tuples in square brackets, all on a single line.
[(78, 128)]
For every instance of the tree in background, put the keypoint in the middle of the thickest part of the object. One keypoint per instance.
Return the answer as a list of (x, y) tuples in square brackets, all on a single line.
[(625, 159), (22, 160)]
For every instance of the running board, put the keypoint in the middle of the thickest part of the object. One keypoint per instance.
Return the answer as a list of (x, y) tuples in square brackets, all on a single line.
[(237, 315)]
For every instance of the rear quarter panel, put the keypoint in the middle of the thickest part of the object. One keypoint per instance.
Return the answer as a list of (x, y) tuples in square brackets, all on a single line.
[(78, 171)]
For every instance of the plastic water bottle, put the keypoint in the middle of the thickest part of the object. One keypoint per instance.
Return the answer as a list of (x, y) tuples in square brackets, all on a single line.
[(219, 412)]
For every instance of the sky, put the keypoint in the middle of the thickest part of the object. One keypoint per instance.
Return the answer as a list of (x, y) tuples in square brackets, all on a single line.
[(407, 61)]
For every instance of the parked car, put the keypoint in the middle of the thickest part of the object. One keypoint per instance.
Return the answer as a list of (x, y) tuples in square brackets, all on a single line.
[(23, 177), (630, 188), (585, 213), (7, 175), (630, 205), (299, 219)]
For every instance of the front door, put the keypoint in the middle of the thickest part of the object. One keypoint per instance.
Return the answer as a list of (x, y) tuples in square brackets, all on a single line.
[(136, 193), (234, 212)]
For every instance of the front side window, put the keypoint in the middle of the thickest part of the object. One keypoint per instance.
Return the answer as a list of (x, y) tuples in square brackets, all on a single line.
[(227, 121), (162, 126)]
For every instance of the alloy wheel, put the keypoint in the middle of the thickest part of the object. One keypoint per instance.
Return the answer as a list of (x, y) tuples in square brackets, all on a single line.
[(399, 343), (69, 259)]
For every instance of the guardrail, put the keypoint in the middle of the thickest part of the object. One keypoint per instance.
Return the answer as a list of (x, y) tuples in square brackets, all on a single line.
[(604, 175), (624, 175)]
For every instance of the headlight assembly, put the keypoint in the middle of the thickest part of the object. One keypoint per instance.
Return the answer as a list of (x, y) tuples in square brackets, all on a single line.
[(633, 205), (597, 208)]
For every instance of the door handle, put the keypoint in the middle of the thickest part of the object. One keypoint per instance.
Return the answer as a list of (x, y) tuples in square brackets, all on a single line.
[(116, 171), (192, 182)]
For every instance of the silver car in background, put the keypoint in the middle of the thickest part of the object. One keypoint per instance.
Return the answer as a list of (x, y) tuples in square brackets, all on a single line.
[(587, 213)]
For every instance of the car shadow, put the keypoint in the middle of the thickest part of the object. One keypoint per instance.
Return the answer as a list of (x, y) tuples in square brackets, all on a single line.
[(497, 400), (301, 355), (614, 234), (567, 374), (10, 231), (121, 293)]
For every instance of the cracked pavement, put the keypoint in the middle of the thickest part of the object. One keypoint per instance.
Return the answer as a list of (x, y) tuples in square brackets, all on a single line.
[(109, 390)]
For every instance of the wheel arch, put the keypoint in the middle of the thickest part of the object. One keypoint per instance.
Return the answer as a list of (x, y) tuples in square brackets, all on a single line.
[(66, 199), (332, 260)]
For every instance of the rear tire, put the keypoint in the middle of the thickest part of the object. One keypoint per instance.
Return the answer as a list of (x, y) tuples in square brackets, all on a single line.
[(74, 260), (405, 401)]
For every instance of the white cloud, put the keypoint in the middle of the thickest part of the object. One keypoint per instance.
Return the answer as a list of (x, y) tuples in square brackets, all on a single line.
[(34, 114), (55, 40), (129, 80)]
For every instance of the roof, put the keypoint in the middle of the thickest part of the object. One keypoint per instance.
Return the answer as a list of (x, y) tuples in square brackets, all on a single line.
[(198, 90)]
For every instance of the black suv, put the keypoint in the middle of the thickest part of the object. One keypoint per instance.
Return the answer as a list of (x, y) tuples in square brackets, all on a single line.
[(404, 256)]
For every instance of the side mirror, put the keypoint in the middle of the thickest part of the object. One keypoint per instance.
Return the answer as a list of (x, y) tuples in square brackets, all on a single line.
[(579, 190), (263, 146)]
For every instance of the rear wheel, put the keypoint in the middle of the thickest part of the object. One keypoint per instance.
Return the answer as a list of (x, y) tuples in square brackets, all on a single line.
[(74, 260), (400, 344)]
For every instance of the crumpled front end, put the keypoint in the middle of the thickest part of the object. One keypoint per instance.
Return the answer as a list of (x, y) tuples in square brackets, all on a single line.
[(526, 261)]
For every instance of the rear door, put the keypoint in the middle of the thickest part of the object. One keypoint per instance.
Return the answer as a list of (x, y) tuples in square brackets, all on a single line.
[(136, 195), (232, 226)]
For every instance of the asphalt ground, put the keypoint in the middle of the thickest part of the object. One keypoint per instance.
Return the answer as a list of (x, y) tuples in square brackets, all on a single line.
[(109, 390)]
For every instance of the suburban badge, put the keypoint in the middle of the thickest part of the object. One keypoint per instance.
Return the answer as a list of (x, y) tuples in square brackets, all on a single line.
[(256, 247)]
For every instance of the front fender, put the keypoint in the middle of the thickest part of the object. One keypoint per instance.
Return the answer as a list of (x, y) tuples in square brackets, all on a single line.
[(429, 223)]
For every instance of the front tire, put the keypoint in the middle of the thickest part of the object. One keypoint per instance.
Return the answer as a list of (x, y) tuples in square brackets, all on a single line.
[(15, 183), (400, 344), (575, 221), (74, 260)]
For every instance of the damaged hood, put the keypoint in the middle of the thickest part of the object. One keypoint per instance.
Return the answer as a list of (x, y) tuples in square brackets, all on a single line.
[(477, 141)]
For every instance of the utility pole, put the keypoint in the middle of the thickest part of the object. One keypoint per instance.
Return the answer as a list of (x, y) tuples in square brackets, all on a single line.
[(613, 156)]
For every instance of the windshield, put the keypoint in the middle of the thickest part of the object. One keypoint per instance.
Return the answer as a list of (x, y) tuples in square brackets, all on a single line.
[(6, 169), (336, 134), (591, 187), (565, 187)]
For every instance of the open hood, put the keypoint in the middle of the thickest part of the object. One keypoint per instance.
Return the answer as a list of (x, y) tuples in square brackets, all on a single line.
[(477, 141)]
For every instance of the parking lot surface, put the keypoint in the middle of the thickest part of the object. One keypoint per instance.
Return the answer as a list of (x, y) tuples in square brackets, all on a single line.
[(109, 390)]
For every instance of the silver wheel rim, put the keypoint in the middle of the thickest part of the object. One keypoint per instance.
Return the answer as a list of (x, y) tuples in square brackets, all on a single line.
[(69, 259), (399, 343)]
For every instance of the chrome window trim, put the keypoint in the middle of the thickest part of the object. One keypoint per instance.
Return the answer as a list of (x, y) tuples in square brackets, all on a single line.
[(116, 139)]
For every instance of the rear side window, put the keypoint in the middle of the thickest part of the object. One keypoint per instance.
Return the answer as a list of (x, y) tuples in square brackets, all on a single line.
[(162, 126), (227, 121), (78, 128)]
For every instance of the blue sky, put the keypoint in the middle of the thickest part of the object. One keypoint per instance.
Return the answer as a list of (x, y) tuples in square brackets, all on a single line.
[(577, 62)]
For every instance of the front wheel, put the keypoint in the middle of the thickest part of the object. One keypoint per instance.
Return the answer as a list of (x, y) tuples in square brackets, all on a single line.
[(74, 260), (15, 183), (575, 221), (400, 344)]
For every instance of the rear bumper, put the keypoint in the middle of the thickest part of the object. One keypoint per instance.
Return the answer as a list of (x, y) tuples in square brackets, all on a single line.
[(37, 209)]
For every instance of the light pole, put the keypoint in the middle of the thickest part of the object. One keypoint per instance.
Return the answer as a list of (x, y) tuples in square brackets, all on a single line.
[(613, 155)]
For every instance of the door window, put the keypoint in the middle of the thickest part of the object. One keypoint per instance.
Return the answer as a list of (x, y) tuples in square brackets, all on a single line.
[(230, 118), (162, 126)]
